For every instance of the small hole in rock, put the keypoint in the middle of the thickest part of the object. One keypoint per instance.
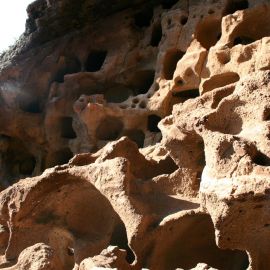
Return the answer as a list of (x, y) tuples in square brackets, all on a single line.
[(266, 114), (261, 159), (118, 94), (67, 130), (27, 166), (136, 135), (167, 4), (187, 94), (143, 18), (142, 81), (152, 123), (156, 35), (156, 87), (119, 238), (60, 157), (32, 107), (170, 62), (29, 105), (243, 40), (183, 20), (72, 65), (70, 251), (142, 105), (235, 5), (95, 61), (109, 129), (208, 31), (179, 82)]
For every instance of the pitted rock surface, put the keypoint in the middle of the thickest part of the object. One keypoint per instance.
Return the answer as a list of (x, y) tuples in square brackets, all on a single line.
[(136, 135)]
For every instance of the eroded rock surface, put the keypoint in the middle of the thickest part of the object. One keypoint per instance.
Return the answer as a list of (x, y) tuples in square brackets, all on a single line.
[(135, 135)]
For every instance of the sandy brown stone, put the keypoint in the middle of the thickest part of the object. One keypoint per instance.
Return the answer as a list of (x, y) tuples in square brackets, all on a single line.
[(135, 135)]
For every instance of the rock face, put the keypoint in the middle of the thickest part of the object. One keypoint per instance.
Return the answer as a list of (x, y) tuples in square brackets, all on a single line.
[(136, 135)]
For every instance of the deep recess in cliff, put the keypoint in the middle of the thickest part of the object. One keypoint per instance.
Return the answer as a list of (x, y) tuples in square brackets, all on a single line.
[(136, 134)]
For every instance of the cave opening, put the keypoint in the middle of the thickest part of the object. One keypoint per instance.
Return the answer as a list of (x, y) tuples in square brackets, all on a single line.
[(67, 130), (144, 17), (167, 4), (27, 166), (208, 32), (187, 94), (152, 123), (243, 40), (72, 65), (109, 129), (156, 35), (183, 20), (119, 238), (95, 60), (235, 5), (170, 62), (193, 243), (135, 135), (16, 160), (118, 93), (261, 159), (59, 157), (28, 104), (142, 81)]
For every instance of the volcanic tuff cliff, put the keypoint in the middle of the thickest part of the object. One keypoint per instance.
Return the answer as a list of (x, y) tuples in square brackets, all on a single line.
[(140, 130)]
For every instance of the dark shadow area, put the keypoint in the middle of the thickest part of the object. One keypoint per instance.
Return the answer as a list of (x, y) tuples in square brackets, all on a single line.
[(187, 94), (59, 157), (208, 32), (144, 17), (243, 40), (167, 4), (29, 104), (16, 160), (67, 130), (119, 238), (142, 81), (72, 65), (118, 93), (170, 62), (234, 5), (152, 123), (261, 159), (156, 35), (192, 241), (136, 135), (109, 129), (95, 61)]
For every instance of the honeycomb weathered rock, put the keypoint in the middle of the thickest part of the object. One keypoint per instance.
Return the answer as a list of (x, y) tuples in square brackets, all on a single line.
[(143, 130)]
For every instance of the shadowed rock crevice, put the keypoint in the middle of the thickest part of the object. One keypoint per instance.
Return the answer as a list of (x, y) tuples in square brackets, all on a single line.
[(95, 61), (170, 61), (193, 241)]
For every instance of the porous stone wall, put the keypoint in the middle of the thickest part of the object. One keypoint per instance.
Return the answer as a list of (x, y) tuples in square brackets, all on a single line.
[(135, 135)]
